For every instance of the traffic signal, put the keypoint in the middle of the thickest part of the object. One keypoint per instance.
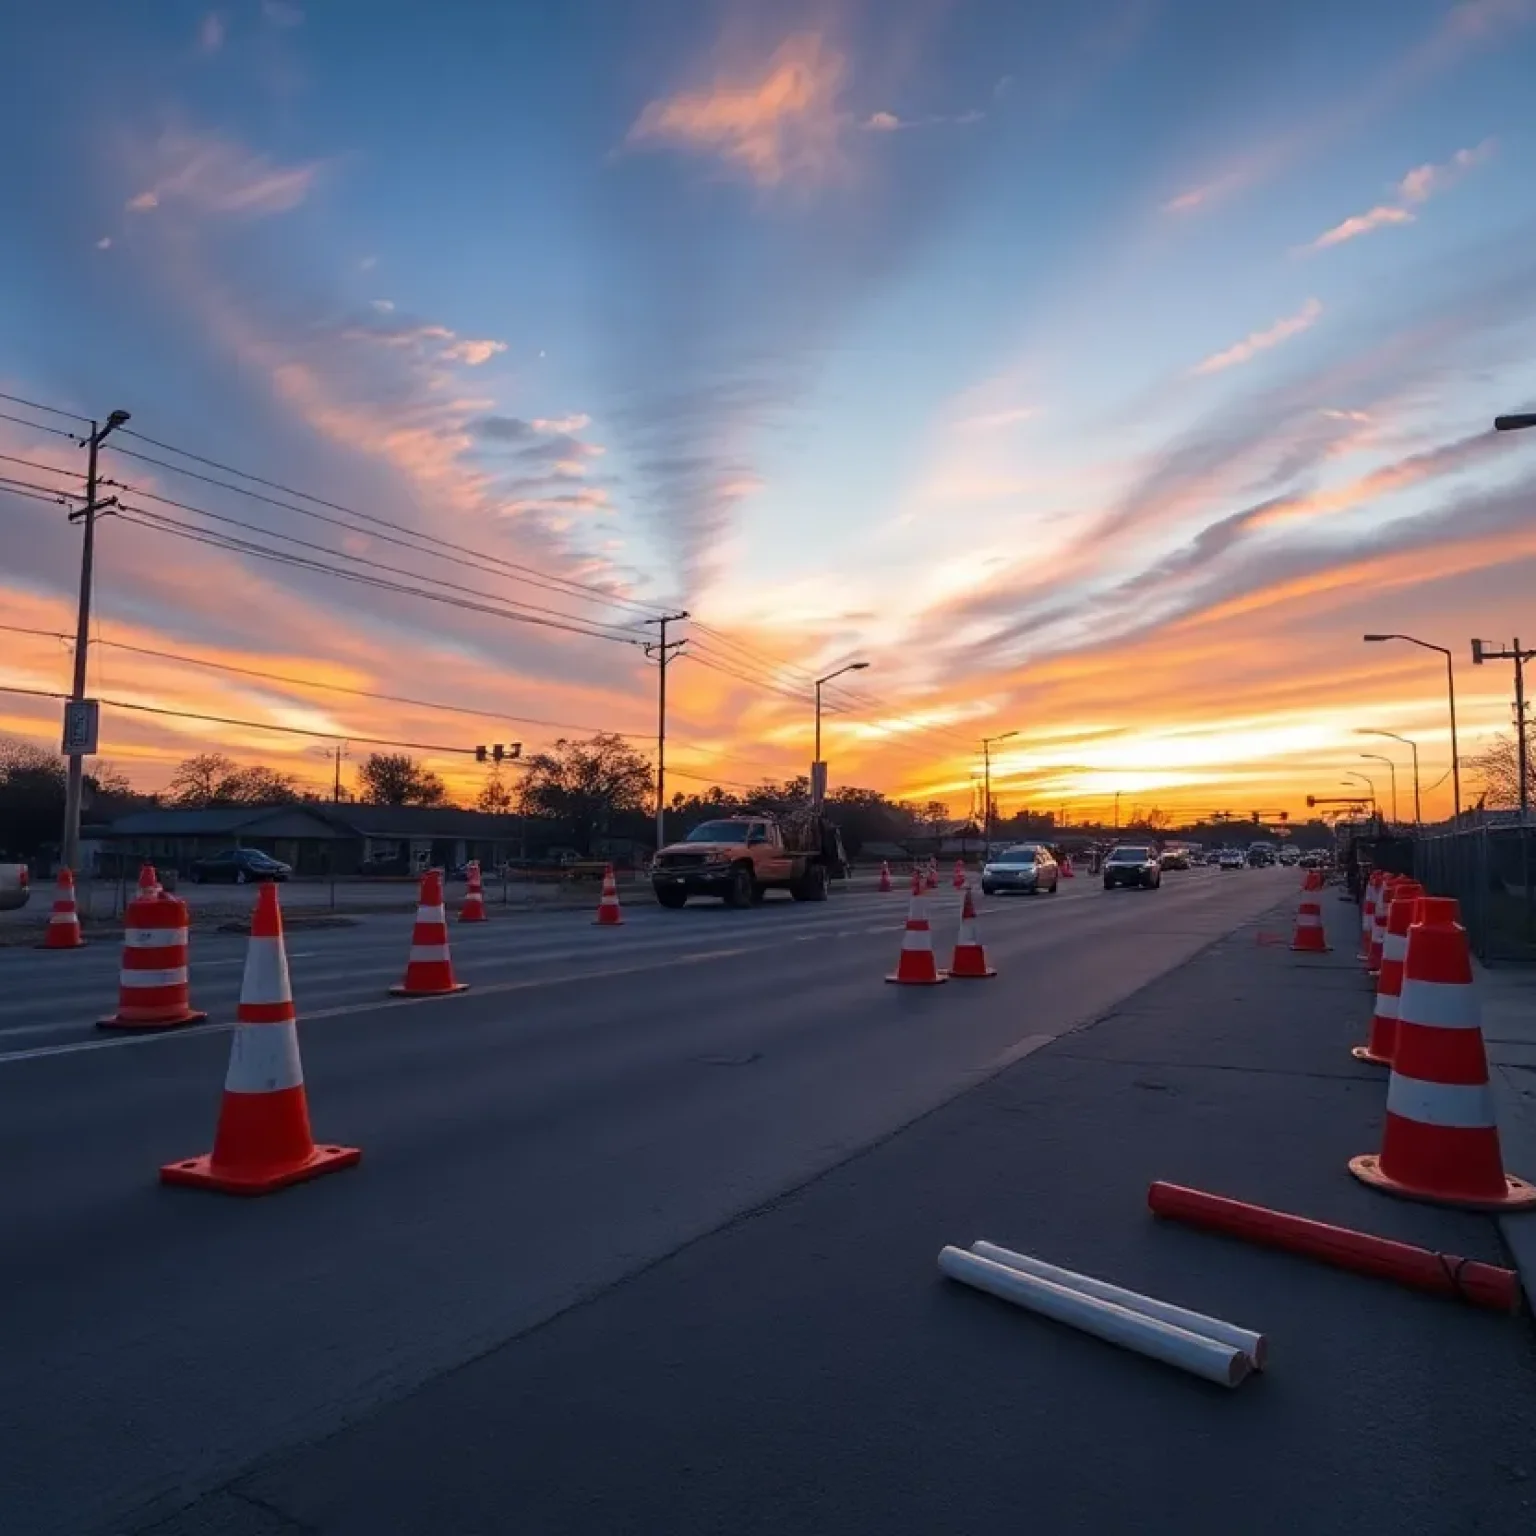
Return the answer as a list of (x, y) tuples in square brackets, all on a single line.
[(1285, 815), (498, 752), (480, 754), (1311, 801), (1254, 817)]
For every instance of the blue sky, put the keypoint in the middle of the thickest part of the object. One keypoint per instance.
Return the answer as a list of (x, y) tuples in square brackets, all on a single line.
[(1005, 344)]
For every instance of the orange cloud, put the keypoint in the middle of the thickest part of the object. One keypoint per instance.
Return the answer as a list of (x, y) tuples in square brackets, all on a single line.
[(1260, 341), (781, 122)]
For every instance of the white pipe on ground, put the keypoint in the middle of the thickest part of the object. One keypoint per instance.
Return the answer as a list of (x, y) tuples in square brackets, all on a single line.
[(1192, 1352), (1254, 1345)]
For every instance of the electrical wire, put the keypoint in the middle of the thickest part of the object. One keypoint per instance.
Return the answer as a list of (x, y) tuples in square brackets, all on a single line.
[(592, 625), (36, 426), (52, 410), (477, 558), (158, 523), (11, 458)]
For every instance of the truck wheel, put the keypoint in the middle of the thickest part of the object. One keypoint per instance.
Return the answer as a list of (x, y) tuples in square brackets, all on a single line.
[(739, 893), (670, 896), (812, 885)]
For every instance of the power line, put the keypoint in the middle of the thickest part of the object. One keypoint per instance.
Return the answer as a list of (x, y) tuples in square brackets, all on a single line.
[(592, 626), (28, 491), (36, 426), (157, 522), (479, 557), (11, 458), (52, 410)]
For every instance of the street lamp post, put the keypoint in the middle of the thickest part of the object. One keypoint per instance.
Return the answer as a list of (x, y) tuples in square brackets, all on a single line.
[(1369, 784), (1413, 746), (1391, 769), (1450, 688), (817, 769), (986, 789)]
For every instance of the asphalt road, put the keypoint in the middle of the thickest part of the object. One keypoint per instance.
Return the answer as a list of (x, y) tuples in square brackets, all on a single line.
[(598, 1100)]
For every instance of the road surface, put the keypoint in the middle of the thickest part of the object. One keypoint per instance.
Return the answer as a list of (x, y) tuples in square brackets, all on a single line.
[(599, 1100)]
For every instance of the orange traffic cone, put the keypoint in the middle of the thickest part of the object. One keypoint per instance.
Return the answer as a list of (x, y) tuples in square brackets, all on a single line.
[(153, 988), (1379, 923), (1309, 937), (149, 881), (916, 967), (429, 970), (473, 910), (970, 959), (932, 882), (958, 881), (1065, 867), (609, 914), (64, 920), (885, 875), (1440, 1142), (1312, 880), (263, 1140), (1389, 986), (1368, 915)]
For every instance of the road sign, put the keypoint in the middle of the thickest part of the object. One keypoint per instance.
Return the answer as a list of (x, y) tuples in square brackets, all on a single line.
[(82, 719)]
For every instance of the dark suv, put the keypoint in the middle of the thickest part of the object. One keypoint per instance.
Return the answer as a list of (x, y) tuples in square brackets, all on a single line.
[(1133, 865)]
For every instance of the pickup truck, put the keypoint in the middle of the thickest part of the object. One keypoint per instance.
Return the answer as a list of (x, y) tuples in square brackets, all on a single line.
[(15, 886), (741, 858)]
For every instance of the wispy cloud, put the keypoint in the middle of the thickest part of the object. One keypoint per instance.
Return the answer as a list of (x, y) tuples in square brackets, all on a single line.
[(1261, 341), (780, 122), (282, 13), (473, 353), (1418, 186), (990, 421), (211, 174), (564, 424), (888, 122), (211, 33), (1206, 193)]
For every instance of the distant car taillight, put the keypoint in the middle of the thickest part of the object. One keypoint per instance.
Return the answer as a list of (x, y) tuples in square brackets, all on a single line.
[(26, 877)]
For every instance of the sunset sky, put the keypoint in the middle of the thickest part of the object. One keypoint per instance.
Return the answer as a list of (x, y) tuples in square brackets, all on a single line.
[(1099, 372)]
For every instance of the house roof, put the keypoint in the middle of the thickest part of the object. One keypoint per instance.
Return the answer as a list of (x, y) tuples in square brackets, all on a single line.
[(306, 819)]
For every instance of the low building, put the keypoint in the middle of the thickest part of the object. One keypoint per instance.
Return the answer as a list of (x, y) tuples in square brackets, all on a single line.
[(316, 839)]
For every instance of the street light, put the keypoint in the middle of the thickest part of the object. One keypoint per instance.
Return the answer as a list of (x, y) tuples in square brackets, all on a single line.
[(986, 789), (1450, 688), (853, 666), (1392, 769), (1369, 784), (1413, 746)]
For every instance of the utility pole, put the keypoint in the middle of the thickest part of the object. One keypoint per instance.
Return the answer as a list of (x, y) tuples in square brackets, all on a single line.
[(986, 760), (1482, 653), (75, 783), (662, 651)]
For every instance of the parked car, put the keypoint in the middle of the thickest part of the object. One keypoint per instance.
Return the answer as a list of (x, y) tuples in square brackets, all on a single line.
[(1027, 867), (15, 886), (1230, 858), (239, 866), (1133, 864)]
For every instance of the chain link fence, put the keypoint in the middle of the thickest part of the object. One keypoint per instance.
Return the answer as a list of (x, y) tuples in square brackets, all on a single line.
[(1491, 871)]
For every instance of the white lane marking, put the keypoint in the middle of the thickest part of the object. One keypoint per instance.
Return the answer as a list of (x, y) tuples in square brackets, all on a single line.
[(381, 1005)]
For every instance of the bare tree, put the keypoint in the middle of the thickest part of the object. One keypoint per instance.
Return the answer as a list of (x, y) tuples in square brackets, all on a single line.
[(395, 778), (214, 779), (1499, 766), (584, 783)]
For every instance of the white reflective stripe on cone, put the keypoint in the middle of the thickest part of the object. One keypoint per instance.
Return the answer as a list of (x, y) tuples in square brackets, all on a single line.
[(917, 938), (172, 978), (1454, 1106), (437, 914), (266, 973), (1439, 1004), (1387, 1006), (70, 917), (421, 954), (263, 1058), (1395, 947), (154, 938)]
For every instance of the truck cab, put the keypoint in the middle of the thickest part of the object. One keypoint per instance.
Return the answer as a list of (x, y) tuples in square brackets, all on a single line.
[(741, 858)]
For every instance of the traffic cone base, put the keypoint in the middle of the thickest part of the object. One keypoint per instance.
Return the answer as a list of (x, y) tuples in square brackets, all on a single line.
[(63, 930), (151, 1021), (916, 966), (967, 969), (199, 1172), (918, 981), (1518, 1194)]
